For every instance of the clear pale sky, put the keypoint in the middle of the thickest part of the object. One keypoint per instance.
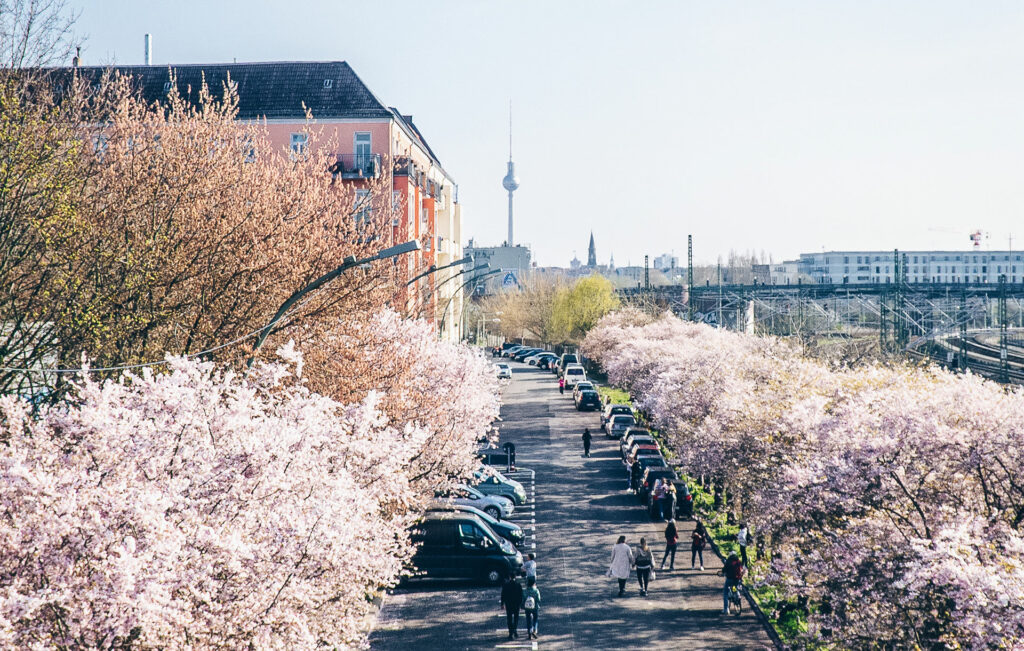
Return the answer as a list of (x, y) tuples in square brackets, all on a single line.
[(786, 127)]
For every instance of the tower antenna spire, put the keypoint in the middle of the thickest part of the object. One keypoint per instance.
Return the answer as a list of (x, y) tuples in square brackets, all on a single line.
[(511, 181)]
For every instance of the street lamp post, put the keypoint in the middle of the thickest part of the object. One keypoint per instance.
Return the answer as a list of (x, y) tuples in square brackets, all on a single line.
[(444, 314), (348, 263), (434, 268), (446, 280)]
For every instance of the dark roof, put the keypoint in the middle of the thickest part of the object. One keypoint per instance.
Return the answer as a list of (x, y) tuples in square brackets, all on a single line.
[(270, 90)]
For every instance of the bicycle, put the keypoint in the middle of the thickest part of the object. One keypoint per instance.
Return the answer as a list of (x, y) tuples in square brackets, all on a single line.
[(735, 598)]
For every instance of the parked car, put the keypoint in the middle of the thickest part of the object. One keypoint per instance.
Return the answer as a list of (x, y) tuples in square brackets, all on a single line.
[(565, 360), (641, 447), (684, 508), (573, 374), (547, 362), (495, 506), (619, 424), (612, 410), (588, 400), (580, 386), (491, 482), (651, 475), (504, 371), (461, 545), (634, 437), (510, 532), (512, 350), (538, 358), (526, 352)]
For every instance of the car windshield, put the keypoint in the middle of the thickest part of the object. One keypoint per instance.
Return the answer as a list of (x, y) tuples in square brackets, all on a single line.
[(470, 492), (503, 366)]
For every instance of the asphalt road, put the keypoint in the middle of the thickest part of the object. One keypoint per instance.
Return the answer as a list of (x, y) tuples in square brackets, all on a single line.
[(580, 509)]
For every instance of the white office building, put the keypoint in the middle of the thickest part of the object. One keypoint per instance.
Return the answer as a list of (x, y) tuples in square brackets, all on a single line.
[(866, 267)]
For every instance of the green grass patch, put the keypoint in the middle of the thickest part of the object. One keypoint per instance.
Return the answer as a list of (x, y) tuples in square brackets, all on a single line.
[(617, 396)]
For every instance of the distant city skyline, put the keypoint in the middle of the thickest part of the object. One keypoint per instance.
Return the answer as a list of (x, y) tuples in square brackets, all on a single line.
[(784, 127)]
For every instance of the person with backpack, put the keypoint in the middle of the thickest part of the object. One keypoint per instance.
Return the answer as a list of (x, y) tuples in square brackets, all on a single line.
[(587, 438), (697, 541), (671, 540), (512, 601), (643, 561), (531, 606), (733, 572)]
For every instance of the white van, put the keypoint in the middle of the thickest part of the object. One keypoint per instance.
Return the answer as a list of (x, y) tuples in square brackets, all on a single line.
[(574, 373)]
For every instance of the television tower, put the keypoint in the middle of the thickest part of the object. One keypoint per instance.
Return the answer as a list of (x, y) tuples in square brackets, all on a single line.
[(511, 181)]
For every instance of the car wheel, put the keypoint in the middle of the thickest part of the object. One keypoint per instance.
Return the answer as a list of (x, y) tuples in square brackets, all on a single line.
[(493, 575), (493, 511)]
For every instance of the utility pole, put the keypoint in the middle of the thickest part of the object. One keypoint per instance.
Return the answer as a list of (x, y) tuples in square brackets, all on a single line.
[(963, 327), (883, 322), (720, 324), (689, 277), (1004, 364)]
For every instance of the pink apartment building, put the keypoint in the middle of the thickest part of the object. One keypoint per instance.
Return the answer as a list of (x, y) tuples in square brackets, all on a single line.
[(367, 133)]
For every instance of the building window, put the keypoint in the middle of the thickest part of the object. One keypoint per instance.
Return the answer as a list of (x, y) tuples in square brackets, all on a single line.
[(361, 209), (328, 83), (846, 259), (361, 148), (298, 143)]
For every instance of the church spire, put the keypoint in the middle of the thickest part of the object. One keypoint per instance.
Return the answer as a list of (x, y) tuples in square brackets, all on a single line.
[(591, 252)]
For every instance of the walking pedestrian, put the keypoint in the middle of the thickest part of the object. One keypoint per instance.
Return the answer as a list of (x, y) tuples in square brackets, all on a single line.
[(587, 438), (743, 538), (561, 385), (635, 471), (512, 601), (697, 541), (531, 606), (530, 566), (644, 563), (622, 560), (671, 540)]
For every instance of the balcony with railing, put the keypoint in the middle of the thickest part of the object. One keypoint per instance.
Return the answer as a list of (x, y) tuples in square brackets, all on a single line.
[(357, 166)]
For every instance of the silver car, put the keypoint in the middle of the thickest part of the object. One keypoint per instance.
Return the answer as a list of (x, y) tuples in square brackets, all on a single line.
[(493, 505), (618, 425)]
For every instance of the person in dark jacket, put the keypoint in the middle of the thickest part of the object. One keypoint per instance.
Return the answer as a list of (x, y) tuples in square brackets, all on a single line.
[(697, 542), (671, 539), (512, 601), (587, 438)]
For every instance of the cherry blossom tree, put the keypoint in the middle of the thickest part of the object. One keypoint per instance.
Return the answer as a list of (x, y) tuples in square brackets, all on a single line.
[(889, 496), (202, 507)]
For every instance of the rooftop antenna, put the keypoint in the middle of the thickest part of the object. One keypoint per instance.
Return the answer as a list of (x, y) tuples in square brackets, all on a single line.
[(510, 129)]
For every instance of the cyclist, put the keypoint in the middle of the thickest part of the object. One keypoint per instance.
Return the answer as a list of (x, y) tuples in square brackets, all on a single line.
[(733, 572)]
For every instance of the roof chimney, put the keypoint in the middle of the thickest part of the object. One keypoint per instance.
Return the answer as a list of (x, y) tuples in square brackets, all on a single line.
[(149, 49)]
